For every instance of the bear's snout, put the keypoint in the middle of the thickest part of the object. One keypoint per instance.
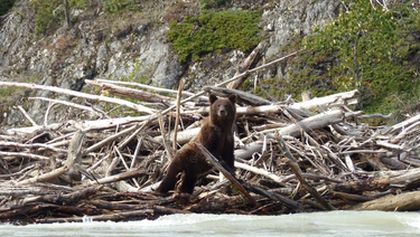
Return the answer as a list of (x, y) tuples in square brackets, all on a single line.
[(222, 112)]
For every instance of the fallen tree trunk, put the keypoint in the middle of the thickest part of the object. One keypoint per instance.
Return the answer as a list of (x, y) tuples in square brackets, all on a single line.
[(130, 92), (213, 161), (382, 180), (311, 123), (137, 107), (70, 165), (344, 98), (400, 202), (246, 64), (70, 125)]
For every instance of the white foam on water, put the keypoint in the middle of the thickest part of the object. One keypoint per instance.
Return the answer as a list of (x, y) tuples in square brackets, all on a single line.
[(414, 221), (87, 219), (334, 224)]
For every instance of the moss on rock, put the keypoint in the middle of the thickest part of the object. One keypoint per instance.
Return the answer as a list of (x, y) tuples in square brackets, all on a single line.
[(213, 32)]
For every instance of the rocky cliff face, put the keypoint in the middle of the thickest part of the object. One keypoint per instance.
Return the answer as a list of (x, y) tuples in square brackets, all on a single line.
[(134, 45)]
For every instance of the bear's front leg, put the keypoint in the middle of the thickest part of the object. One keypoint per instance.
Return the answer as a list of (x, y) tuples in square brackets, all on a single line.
[(168, 183), (228, 156), (188, 183)]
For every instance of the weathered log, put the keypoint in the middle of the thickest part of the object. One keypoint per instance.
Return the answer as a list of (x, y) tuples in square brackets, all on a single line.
[(344, 98), (351, 197), (67, 103), (292, 163), (147, 213), (402, 124), (130, 92), (402, 179), (246, 64), (13, 191), (242, 95), (143, 86), (9, 155), (112, 138), (137, 107), (115, 178), (178, 109), (409, 201), (238, 76), (73, 156), (258, 171), (182, 136), (68, 126), (311, 123), (382, 180), (26, 115), (289, 203), (213, 161), (70, 198)]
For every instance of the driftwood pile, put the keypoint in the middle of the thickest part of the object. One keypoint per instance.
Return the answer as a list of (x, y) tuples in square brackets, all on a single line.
[(290, 157)]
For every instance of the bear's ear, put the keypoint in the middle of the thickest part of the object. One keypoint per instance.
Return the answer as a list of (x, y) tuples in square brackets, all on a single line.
[(232, 98), (212, 98)]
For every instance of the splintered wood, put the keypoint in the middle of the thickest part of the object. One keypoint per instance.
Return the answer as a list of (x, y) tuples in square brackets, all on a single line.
[(290, 157)]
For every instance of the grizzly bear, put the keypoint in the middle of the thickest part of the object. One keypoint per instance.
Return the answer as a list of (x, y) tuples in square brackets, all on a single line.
[(216, 134)]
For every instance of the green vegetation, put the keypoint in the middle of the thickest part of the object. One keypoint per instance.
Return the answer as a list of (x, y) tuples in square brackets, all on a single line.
[(8, 95), (369, 49), (214, 31), (5, 92), (78, 4), (5, 6), (49, 14), (136, 76), (45, 16), (116, 6), (209, 4)]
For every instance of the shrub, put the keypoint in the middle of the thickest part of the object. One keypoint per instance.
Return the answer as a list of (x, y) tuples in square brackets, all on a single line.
[(49, 14), (116, 6), (5, 6), (214, 31), (209, 4), (365, 48), (46, 15), (80, 4)]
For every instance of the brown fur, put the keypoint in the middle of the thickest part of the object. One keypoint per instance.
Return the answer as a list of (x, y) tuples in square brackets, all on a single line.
[(216, 134)]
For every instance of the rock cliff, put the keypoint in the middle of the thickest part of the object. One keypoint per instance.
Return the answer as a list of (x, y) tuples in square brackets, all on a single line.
[(133, 44)]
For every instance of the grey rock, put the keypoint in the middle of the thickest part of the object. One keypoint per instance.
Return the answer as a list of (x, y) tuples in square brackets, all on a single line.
[(296, 18), (140, 49), (102, 59)]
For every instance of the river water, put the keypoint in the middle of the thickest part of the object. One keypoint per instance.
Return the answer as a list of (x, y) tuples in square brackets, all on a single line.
[(336, 223)]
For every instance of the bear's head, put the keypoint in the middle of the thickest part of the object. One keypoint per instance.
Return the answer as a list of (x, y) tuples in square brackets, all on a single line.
[(222, 110)]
